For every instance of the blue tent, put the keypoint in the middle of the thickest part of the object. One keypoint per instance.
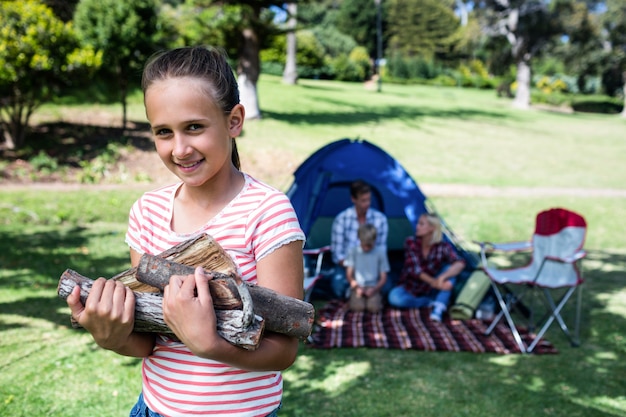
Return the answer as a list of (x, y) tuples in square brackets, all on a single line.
[(321, 189)]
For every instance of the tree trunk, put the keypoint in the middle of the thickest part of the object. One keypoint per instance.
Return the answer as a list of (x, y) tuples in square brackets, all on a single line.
[(624, 79), (523, 79), (248, 73), (243, 309), (290, 75), (231, 324)]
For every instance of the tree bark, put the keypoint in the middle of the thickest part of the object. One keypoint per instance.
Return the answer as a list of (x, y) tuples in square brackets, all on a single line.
[(149, 314), (290, 75), (282, 314), (522, 95), (248, 72), (278, 313), (624, 87)]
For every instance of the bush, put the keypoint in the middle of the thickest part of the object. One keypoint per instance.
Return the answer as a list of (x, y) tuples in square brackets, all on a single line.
[(414, 68), (361, 59), (344, 69), (444, 80), (272, 68)]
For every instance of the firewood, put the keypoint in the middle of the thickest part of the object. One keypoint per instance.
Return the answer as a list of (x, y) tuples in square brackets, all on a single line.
[(282, 314), (267, 309), (149, 314), (202, 251)]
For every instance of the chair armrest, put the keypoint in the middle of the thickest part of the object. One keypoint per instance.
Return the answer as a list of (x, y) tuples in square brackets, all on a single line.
[(502, 247), (315, 251), (505, 247), (319, 252)]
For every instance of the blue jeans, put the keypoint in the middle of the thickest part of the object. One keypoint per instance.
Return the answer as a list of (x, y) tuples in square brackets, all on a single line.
[(141, 410), (340, 283), (401, 298)]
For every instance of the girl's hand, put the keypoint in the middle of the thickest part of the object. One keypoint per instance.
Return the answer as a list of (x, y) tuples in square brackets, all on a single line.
[(108, 313), (189, 313)]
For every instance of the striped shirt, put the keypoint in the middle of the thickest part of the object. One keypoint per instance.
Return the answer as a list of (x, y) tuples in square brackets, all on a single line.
[(176, 382)]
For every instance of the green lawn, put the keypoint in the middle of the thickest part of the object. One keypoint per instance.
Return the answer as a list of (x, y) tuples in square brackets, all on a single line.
[(441, 135)]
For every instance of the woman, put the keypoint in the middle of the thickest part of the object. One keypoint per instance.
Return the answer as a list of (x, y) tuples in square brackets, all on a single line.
[(430, 269)]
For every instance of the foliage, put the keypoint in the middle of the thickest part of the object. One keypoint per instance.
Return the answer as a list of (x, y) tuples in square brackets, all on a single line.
[(401, 67), (424, 28), (614, 74), (358, 20), (95, 170), (124, 32), (475, 74), (38, 55)]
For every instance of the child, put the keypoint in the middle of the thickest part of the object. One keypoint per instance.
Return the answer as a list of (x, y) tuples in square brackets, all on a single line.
[(192, 104), (366, 269)]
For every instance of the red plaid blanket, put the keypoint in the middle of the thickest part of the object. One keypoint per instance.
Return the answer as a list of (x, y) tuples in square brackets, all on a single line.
[(411, 329)]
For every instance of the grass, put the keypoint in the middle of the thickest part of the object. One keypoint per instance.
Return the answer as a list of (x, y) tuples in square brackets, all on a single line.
[(441, 136)]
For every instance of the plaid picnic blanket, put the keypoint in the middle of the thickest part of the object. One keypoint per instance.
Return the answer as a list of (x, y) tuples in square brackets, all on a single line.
[(336, 326)]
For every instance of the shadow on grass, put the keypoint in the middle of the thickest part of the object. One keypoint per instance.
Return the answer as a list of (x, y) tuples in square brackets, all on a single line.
[(578, 381), (35, 261), (71, 143), (356, 115)]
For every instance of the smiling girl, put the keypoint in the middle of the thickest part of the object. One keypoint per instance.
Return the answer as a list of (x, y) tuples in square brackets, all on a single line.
[(192, 104)]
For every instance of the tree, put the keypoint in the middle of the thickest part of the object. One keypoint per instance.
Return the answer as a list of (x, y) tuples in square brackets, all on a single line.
[(242, 28), (39, 54), (527, 25), (424, 28), (615, 25), (290, 74), (581, 49), (357, 18), (124, 32)]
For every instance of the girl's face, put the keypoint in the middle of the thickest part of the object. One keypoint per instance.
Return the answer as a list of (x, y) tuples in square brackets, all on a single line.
[(192, 135), (423, 228)]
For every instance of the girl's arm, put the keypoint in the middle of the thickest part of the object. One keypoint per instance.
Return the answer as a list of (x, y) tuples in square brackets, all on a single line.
[(188, 311)]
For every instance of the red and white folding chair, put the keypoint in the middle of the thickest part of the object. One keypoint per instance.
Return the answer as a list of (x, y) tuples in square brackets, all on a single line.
[(313, 260), (556, 249)]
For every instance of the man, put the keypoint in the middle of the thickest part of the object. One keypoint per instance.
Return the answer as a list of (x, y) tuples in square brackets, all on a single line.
[(344, 232)]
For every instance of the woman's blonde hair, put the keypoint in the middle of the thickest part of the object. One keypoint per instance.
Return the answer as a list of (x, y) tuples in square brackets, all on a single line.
[(434, 221)]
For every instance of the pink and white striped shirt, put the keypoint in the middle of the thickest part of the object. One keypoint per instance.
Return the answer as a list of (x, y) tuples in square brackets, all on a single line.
[(175, 381)]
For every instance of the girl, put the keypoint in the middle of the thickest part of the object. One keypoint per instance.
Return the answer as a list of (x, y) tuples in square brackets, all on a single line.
[(430, 269), (192, 104)]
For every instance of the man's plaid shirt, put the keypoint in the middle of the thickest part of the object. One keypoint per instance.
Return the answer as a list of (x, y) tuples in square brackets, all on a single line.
[(344, 234)]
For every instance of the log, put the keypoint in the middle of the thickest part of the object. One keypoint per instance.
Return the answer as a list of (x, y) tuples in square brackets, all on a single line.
[(202, 251), (277, 312), (282, 314), (149, 314)]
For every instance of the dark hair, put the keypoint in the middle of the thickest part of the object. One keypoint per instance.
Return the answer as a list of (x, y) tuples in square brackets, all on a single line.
[(359, 187), (203, 62)]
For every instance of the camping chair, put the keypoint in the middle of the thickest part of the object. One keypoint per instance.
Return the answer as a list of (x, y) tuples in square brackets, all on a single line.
[(313, 258), (556, 248)]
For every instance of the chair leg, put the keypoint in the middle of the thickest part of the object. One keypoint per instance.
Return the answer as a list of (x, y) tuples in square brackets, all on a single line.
[(504, 311), (555, 315), (579, 302)]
